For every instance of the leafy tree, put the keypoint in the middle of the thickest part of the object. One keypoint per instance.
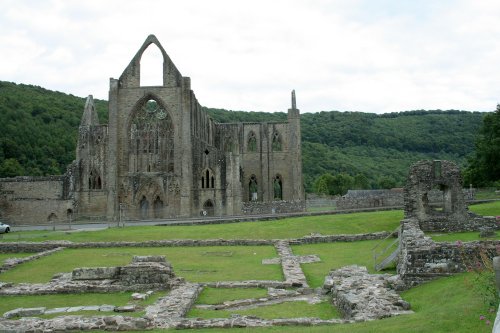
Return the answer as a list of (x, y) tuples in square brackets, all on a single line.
[(341, 183), (361, 182), (484, 167), (323, 183), (11, 168), (386, 182)]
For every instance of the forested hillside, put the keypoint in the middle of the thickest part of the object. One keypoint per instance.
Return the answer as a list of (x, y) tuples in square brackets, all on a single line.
[(380, 147), (38, 132)]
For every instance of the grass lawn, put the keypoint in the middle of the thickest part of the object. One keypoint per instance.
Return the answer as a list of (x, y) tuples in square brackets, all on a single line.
[(444, 305), (220, 295), (285, 228), (197, 264), (461, 236), (335, 255), (323, 310), (486, 209)]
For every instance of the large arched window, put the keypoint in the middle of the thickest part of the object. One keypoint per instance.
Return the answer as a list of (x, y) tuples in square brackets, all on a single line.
[(252, 142), (151, 143)]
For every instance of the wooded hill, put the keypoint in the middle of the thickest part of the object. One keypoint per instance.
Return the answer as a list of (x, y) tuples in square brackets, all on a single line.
[(39, 127)]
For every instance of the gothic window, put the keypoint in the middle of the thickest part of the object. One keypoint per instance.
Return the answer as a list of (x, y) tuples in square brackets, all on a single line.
[(95, 182), (253, 189), (208, 208), (278, 188), (151, 144), (276, 142), (207, 179), (252, 142), (229, 145)]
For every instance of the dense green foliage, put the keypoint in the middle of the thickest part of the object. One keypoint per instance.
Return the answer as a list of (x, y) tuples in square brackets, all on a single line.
[(484, 167), (380, 147), (38, 129), (38, 133)]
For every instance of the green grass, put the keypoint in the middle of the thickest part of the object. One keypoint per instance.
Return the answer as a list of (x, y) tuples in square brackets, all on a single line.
[(323, 310), (461, 236), (335, 255), (220, 295), (284, 228), (444, 305), (197, 264), (486, 209)]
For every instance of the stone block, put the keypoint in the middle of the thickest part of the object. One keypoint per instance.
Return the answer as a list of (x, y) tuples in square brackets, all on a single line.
[(28, 312), (106, 308), (95, 273), (56, 310), (125, 308)]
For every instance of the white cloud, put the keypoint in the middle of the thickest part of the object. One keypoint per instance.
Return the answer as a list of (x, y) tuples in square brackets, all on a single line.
[(366, 55)]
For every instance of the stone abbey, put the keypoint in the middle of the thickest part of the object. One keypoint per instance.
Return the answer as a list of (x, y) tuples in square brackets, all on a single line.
[(162, 156)]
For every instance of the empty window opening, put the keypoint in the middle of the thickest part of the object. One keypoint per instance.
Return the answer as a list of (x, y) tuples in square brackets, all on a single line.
[(276, 146), (253, 189), (252, 142), (278, 188), (152, 67)]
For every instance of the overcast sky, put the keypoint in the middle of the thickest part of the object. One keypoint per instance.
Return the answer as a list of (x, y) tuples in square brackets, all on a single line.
[(358, 55)]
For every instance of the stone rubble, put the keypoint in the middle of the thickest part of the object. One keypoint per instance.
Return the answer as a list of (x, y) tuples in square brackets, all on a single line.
[(173, 306), (363, 296)]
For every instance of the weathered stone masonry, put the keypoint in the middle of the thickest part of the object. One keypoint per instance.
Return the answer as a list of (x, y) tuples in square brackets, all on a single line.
[(162, 156)]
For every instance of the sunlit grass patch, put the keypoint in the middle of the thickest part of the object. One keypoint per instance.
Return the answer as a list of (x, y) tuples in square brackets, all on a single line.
[(196, 264)]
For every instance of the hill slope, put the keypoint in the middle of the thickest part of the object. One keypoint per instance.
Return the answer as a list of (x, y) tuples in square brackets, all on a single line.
[(39, 128)]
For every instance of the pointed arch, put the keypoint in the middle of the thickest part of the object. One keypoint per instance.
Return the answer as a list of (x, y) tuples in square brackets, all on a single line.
[(276, 142), (207, 178), (252, 142), (130, 77), (144, 207), (208, 208), (277, 187), (253, 189), (151, 136), (151, 66)]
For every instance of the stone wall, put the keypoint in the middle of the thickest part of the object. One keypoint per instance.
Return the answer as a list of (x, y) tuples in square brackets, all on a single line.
[(371, 198), (422, 259), (34, 200), (273, 207)]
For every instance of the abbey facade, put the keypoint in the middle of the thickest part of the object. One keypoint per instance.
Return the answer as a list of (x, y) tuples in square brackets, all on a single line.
[(162, 156)]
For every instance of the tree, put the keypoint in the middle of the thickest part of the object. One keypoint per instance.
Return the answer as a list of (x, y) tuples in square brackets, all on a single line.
[(11, 168), (361, 182), (341, 183), (484, 167), (386, 182), (323, 183)]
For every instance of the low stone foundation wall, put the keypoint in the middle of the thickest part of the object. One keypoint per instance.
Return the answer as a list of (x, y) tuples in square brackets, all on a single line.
[(422, 259), (31, 247)]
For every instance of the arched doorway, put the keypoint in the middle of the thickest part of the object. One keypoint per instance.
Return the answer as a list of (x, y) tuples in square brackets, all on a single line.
[(158, 208), (208, 208), (144, 207)]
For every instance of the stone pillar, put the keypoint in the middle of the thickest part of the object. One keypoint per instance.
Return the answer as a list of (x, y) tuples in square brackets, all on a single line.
[(111, 156)]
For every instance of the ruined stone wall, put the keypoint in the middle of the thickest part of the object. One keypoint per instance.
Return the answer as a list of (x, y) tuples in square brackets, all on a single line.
[(273, 207), (370, 199), (34, 200)]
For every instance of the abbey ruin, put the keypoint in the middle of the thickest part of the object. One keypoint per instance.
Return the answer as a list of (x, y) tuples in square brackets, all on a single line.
[(162, 156)]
